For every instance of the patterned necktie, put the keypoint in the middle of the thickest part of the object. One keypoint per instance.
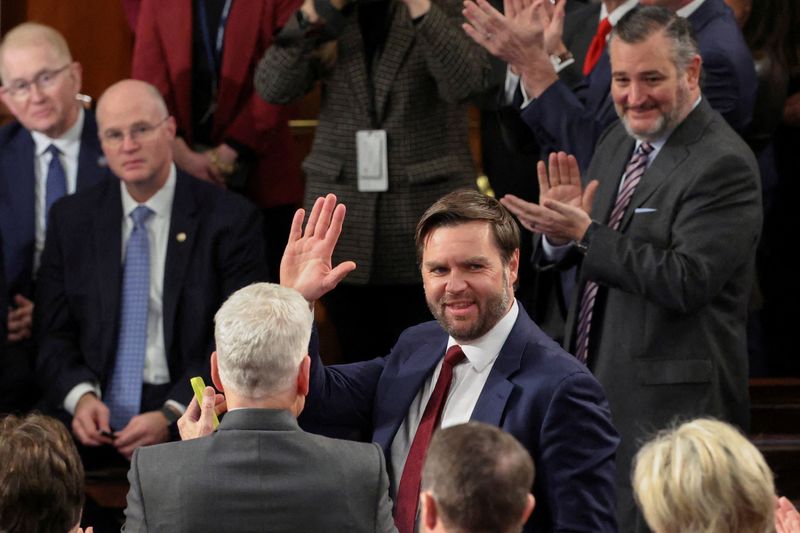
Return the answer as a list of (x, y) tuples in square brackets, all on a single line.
[(633, 175), (56, 186), (124, 389), (408, 490), (597, 46)]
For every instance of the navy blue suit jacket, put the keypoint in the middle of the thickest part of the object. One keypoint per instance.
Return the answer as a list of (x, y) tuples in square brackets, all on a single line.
[(78, 291), (535, 391), (17, 199), (573, 121)]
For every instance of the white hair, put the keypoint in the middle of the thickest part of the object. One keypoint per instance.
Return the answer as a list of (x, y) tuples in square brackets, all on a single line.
[(262, 333)]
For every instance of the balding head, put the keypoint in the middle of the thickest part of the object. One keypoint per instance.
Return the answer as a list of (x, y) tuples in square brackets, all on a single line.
[(40, 80), (31, 34), (136, 133)]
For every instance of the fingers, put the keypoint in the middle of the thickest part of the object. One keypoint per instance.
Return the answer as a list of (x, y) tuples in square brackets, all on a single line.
[(221, 404), (207, 412), (555, 169), (544, 182), (296, 231), (338, 273), (313, 217), (324, 220), (587, 200)]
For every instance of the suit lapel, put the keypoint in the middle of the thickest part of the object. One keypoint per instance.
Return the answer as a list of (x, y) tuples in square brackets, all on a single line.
[(107, 244), (21, 182), (177, 16), (241, 33), (674, 152), (401, 35), (350, 57), (180, 242), (613, 168), (404, 387), (90, 164), (494, 396)]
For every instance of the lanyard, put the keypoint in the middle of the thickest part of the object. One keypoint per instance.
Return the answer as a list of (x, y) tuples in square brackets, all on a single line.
[(214, 56)]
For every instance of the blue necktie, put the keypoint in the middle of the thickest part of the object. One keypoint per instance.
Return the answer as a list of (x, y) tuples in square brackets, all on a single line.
[(124, 390), (56, 179)]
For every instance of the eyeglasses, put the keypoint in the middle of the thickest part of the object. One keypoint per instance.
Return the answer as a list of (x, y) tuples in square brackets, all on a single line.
[(21, 89), (139, 132)]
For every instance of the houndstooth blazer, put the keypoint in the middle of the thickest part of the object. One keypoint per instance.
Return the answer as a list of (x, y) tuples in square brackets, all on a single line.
[(421, 81)]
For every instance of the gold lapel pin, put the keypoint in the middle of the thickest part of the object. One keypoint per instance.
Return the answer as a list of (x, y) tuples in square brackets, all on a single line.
[(180, 237)]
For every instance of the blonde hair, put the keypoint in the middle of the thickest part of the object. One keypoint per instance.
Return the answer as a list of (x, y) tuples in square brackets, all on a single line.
[(33, 34), (704, 476)]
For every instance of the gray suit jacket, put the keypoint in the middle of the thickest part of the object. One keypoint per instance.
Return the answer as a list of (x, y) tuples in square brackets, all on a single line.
[(259, 472), (421, 80), (668, 333)]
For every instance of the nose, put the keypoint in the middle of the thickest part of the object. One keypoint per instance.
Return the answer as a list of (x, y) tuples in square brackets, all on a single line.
[(36, 94), (636, 94), (129, 144), (456, 282)]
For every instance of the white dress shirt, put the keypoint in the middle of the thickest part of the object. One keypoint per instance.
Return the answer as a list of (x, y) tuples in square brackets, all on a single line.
[(469, 378), (156, 368), (70, 146)]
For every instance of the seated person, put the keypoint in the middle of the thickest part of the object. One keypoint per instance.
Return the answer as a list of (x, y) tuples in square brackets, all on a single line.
[(704, 476), (41, 479), (476, 478), (120, 334)]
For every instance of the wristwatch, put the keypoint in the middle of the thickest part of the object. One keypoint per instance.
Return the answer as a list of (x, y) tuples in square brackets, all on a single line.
[(170, 414)]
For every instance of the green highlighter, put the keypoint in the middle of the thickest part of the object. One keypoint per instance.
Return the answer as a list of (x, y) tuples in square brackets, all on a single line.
[(198, 385)]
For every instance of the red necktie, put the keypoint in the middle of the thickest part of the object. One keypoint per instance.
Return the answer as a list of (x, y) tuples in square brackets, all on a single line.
[(596, 47), (408, 492)]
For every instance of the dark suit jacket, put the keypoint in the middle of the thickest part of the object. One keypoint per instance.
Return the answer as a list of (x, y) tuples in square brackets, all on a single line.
[(78, 292), (17, 199), (163, 56), (259, 472), (668, 333), (573, 121), (421, 81), (535, 391)]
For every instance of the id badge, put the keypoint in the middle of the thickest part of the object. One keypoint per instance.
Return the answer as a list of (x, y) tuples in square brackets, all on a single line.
[(373, 170)]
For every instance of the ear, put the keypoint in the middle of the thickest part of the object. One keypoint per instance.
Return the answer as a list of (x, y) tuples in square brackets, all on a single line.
[(172, 127), (528, 509), (304, 376), (428, 511), (77, 75), (693, 72), (215, 372), (513, 268)]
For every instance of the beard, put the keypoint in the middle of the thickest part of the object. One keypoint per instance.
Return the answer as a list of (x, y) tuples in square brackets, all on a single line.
[(490, 311), (666, 122)]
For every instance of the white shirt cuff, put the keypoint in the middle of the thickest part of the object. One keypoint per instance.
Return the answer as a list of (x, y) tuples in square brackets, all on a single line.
[(71, 400), (554, 253)]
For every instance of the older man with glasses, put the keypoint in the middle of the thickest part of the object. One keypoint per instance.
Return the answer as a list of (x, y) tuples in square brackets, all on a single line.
[(50, 150), (131, 275)]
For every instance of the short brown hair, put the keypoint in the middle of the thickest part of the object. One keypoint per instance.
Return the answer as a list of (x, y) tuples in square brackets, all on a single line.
[(41, 476), (480, 477), (467, 205)]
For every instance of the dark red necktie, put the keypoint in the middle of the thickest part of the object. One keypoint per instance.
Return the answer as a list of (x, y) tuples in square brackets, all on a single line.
[(597, 46), (408, 492)]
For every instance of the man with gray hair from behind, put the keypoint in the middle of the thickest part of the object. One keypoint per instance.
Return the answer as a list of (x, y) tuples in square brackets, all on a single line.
[(476, 479), (259, 470)]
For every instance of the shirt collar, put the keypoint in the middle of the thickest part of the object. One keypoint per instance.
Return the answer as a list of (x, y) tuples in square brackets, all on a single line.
[(618, 13), (67, 143), (484, 350), (160, 203), (687, 10)]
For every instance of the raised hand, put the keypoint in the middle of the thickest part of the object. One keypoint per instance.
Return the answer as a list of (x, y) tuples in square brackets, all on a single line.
[(513, 37), (307, 261), (564, 205)]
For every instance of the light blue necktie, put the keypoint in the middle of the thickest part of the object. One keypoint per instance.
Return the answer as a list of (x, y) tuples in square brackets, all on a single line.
[(56, 179), (124, 390)]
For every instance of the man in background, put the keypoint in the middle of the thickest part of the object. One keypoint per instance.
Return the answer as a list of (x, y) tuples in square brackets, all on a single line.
[(49, 151)]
